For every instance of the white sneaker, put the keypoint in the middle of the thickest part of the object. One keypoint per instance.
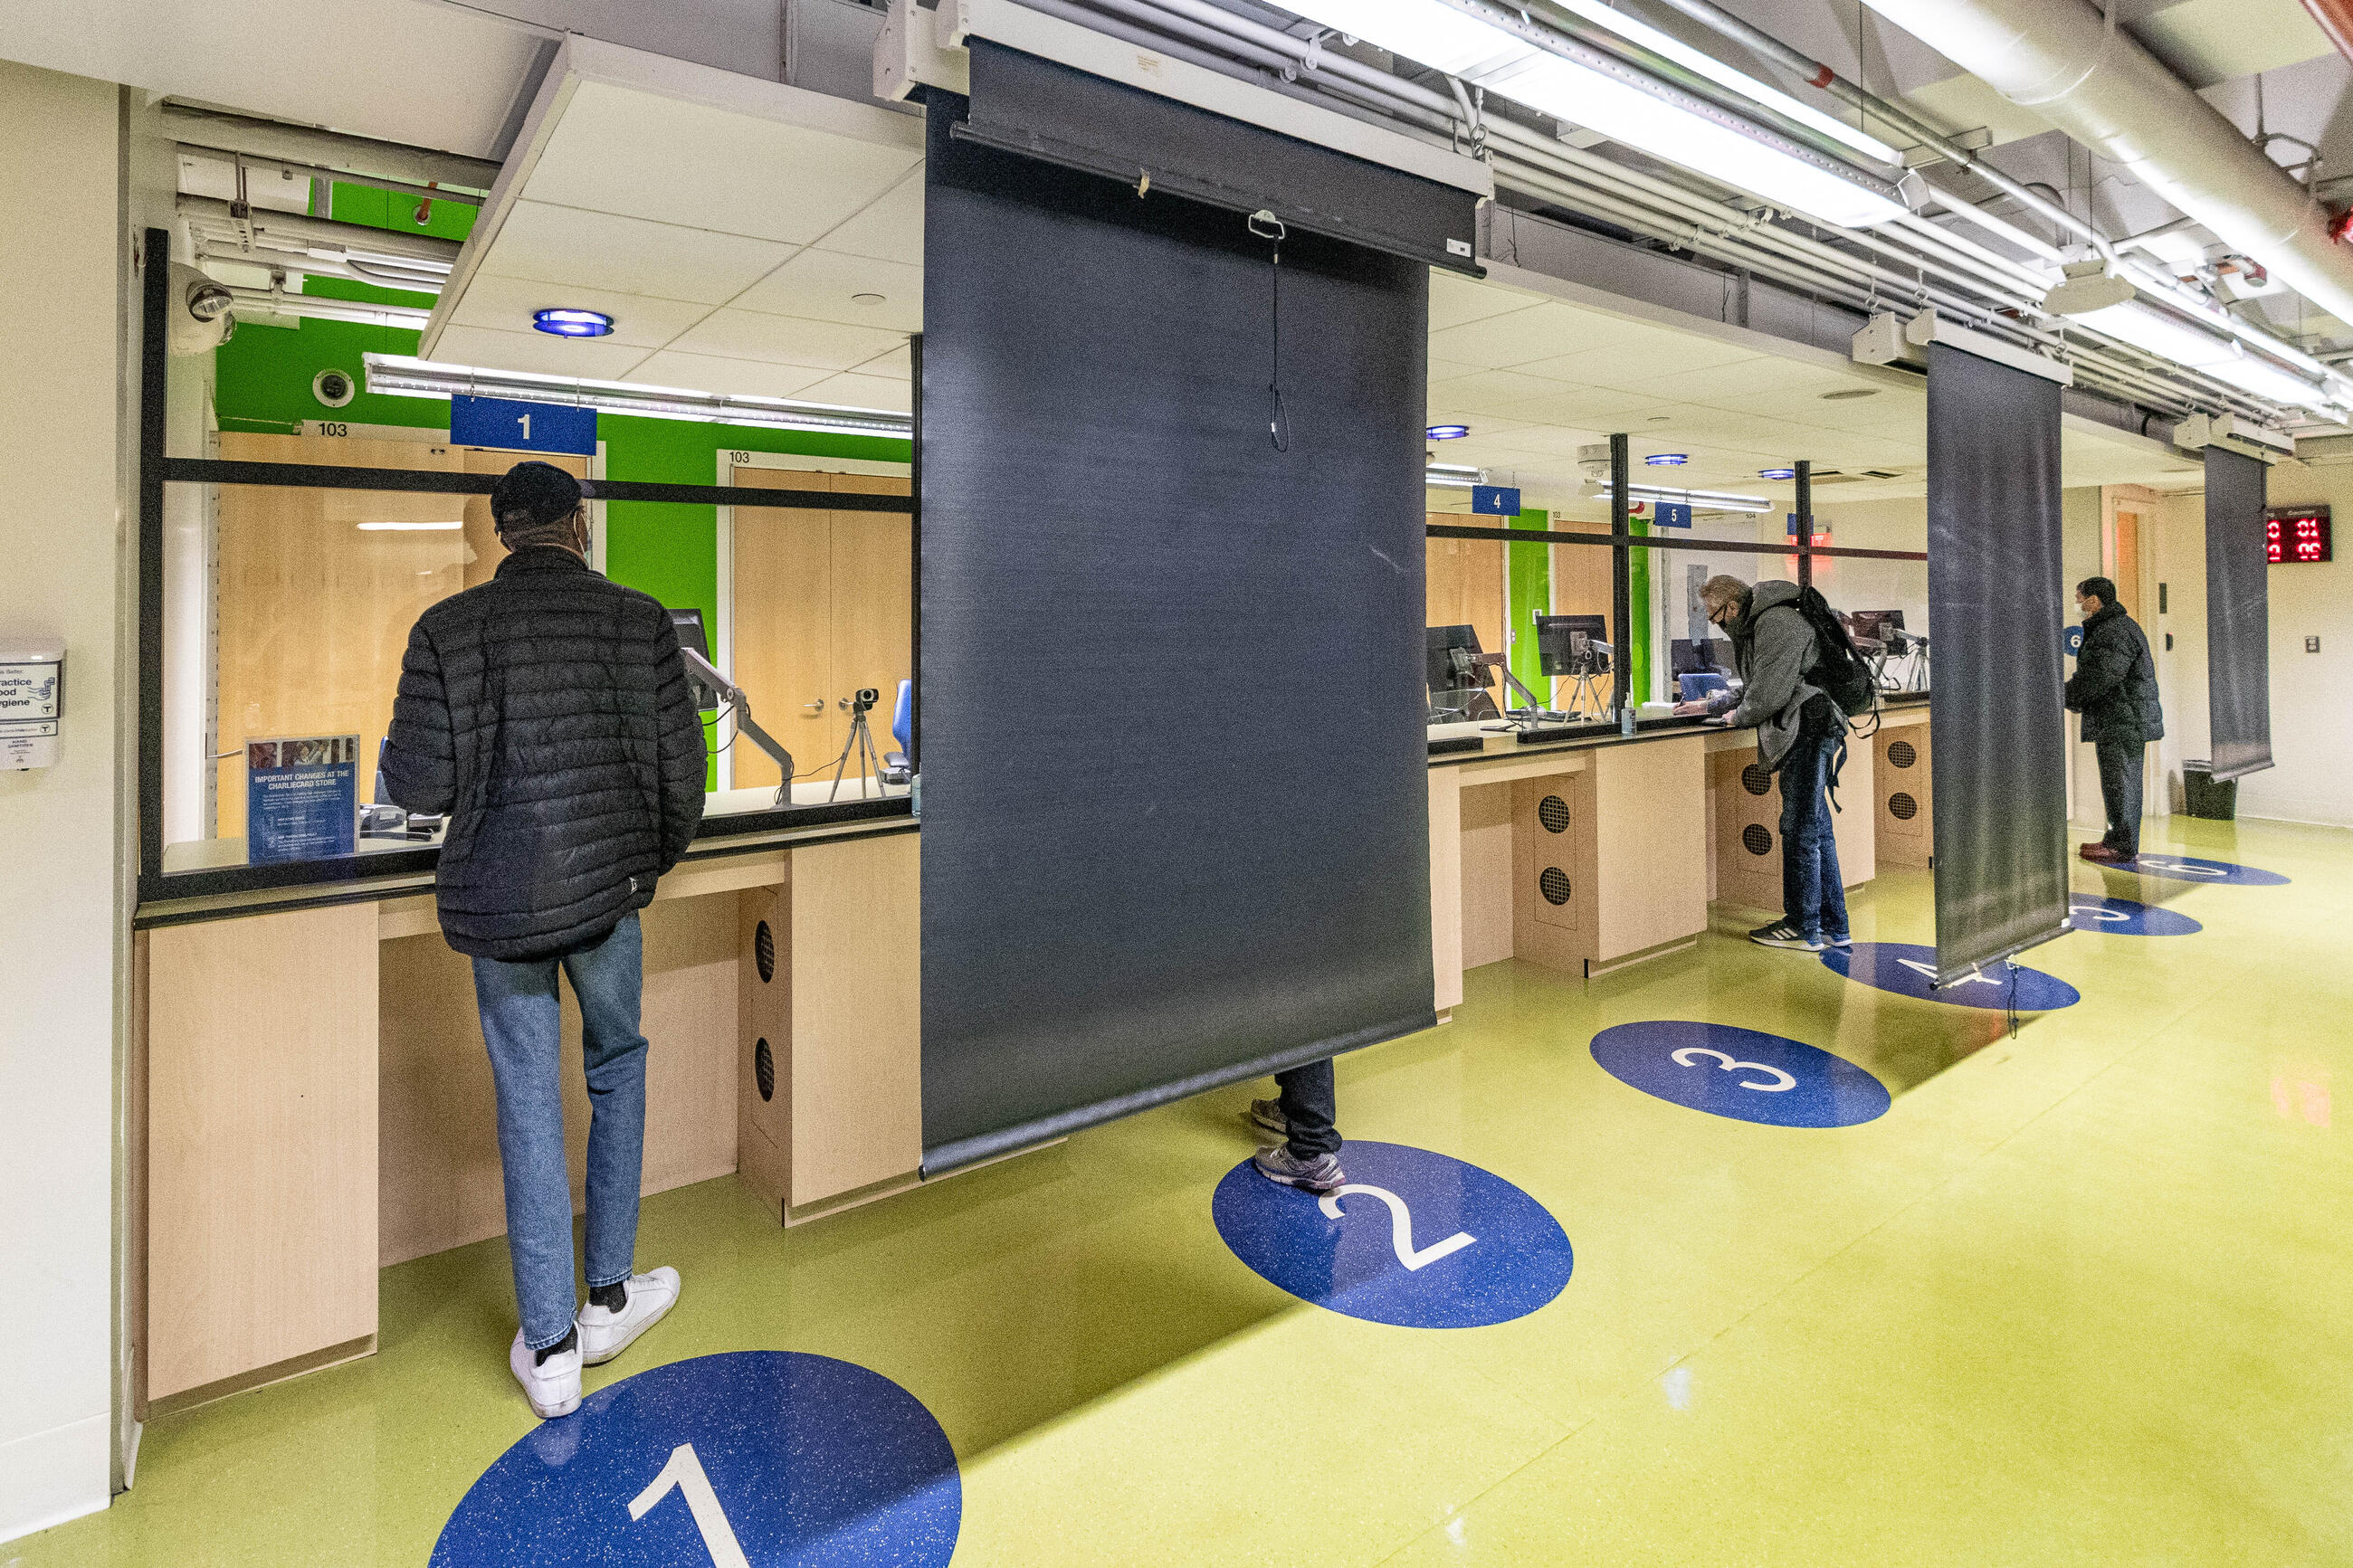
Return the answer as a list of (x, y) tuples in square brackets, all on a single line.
[(552, 1386), (604, 1334)]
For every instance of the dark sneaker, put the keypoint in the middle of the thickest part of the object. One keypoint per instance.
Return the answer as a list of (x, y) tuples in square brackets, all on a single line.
[(1320, 1174), (1781, 933), (1266, 1115), (1839, 941)]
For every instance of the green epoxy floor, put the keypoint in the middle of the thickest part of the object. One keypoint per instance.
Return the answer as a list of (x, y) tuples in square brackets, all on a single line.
[(2076, 1299)]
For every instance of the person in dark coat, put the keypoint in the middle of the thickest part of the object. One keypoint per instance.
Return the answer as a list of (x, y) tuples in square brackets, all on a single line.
[(546, 712), (2115, 688)]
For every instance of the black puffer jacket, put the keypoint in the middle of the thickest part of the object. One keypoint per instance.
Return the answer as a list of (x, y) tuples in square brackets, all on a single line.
[(2115, 683), (547, 713)]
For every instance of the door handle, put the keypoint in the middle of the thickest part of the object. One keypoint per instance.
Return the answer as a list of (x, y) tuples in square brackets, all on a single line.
[(816, 707)]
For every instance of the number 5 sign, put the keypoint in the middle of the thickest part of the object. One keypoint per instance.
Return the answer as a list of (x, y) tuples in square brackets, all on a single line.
[(755, 1459)]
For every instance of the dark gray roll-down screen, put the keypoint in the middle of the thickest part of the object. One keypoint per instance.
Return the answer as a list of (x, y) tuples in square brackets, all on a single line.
[(1174, 774), (2238, 616), (1996, 704)]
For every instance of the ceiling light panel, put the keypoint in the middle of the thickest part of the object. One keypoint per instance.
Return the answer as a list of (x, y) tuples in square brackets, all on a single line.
[(1458, 37)]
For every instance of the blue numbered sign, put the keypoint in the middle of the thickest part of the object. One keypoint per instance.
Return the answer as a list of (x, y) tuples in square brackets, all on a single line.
[(520, 426), (1740, 1073), (755, 1459), (1497, 500), (2071, 641), (1906, 970), (1415, 1239), (2125, 917), (2189, 868)]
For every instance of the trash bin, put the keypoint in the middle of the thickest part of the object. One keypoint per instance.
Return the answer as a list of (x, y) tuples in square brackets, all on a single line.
[(2203, 794)]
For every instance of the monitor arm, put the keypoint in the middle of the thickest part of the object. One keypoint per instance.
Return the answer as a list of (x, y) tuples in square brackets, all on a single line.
[(703, 670)]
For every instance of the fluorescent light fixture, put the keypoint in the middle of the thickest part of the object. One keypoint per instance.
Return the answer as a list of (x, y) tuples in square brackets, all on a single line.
[(572, 323), (1702, 501), (1488, 45), (1448, 432), (1700, 63), (1454, 475), (1667, 460), (1776, 473), (402, 376), (2116, 309), (408, 527)]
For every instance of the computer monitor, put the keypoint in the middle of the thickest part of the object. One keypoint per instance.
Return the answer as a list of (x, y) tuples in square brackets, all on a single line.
[(1691, 658), (688, 627), (1561, 639), (1439, 664)]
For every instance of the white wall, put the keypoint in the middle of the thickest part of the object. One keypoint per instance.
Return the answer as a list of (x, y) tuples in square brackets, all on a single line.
[(2312, 694), (61, 906)]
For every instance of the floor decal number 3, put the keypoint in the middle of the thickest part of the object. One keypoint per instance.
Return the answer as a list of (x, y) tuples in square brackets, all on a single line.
[(1682, 1059), (684, 1471), (1400, 1226)]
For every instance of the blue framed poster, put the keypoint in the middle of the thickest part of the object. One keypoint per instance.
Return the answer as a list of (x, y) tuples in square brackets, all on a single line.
[(302, 798)]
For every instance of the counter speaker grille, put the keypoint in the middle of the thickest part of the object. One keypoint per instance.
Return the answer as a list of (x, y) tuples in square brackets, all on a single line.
[(763, 952), (763, 1069), (1756, 780), (1901, 754), (1902, 806), (1553, 812), (1756, 839), (1554, 885)]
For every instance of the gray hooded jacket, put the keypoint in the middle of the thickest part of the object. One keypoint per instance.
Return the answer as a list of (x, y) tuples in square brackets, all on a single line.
[(1774, 654)]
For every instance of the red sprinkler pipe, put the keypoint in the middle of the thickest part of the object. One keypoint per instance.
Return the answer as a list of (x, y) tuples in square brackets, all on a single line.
[(2335, 19)]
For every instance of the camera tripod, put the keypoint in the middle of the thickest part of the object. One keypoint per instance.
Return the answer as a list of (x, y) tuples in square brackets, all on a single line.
[(861, 742)]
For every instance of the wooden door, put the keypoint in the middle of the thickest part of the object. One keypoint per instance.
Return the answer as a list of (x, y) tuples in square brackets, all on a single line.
[(873, 618), (784, 606), (2124, 564), (1464, 586)]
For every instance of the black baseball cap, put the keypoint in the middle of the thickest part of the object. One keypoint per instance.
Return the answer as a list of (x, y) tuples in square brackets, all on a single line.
[(532, 494)]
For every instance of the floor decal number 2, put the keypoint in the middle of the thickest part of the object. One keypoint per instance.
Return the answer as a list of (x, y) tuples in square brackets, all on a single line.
[(1682, 1059), (1400, 1226), (684, 1471)]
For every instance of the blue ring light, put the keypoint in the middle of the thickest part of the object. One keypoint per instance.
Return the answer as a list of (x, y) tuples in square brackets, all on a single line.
[(1667, 460), (572, 323), (1448, 432), (1776, 473)]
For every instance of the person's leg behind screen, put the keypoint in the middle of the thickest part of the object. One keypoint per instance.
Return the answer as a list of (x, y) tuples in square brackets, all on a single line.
[(2120, 788), (1310, 1099), (523, 1028), (608, 979)]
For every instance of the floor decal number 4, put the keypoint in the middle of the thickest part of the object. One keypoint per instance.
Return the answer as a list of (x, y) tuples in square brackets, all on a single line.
[(684, 1471), (1683, 1058), (1400, 1226)]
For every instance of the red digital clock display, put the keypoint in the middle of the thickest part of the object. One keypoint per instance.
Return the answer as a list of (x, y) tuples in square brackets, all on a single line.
[(2296, 536)]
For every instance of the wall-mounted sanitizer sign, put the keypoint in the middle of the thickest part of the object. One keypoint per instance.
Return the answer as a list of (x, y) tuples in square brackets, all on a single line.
[(519, 427), (32, 702)]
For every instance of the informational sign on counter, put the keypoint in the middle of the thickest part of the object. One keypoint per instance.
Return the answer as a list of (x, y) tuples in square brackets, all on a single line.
[(32, 702), (302, 798)]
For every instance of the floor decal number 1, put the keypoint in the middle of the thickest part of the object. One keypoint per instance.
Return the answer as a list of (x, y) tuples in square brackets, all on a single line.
[(684, 1471), (1400, 1226)]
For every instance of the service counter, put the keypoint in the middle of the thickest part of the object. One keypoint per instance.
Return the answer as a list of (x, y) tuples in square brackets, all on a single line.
[(318, 1104)]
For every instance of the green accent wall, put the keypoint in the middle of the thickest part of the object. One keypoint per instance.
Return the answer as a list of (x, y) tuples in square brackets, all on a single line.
[(1528, 594), (1639, 656)]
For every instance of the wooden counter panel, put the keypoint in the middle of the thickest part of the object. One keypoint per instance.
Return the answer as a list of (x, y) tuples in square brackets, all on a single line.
[(857, 1069), (261, 1188), (438, 1136), (1649, 804)]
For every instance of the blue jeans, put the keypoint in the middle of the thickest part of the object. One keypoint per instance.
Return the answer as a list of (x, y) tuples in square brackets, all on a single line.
[(1813, 896), (523, 1025)]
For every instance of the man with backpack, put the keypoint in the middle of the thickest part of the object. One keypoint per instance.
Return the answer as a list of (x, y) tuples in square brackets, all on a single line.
[(2115, 688), (1800, 678)]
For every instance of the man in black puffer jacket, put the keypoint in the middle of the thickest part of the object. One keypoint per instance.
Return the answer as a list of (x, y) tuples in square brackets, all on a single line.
[(547, 713), (2115, 688)]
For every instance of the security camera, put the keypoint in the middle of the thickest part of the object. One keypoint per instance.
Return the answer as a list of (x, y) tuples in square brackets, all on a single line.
[(202, 321), (333, 387)]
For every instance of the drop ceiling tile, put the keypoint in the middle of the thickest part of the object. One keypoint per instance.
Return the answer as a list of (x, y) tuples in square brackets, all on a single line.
[(730, 333), (899, 364), (855, 391), (627, 255), (890, 228), (732, 377), (506, 304), (1447, 369), (1455, 299), (597, 358), (1518, 337), (622, 150), (820, 286), (1637, 361)]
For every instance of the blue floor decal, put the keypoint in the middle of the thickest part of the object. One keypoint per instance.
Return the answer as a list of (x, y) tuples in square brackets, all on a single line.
[(766, 1458), (1415, 1239), (2189, 868), (1906, 969), (2125, 917), (1741, 1073)]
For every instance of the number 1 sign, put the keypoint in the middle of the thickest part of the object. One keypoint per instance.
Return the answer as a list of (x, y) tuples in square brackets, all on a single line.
[(517, 426)]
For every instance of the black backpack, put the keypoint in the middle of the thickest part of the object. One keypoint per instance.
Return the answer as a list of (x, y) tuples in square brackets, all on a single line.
[(1840, 672)]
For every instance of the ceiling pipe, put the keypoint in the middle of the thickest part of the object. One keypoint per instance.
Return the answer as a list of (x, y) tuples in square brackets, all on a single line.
[(208, 214), (330, 149), (2060, 59), (248, 303), (267, 166), (2335, 19)]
